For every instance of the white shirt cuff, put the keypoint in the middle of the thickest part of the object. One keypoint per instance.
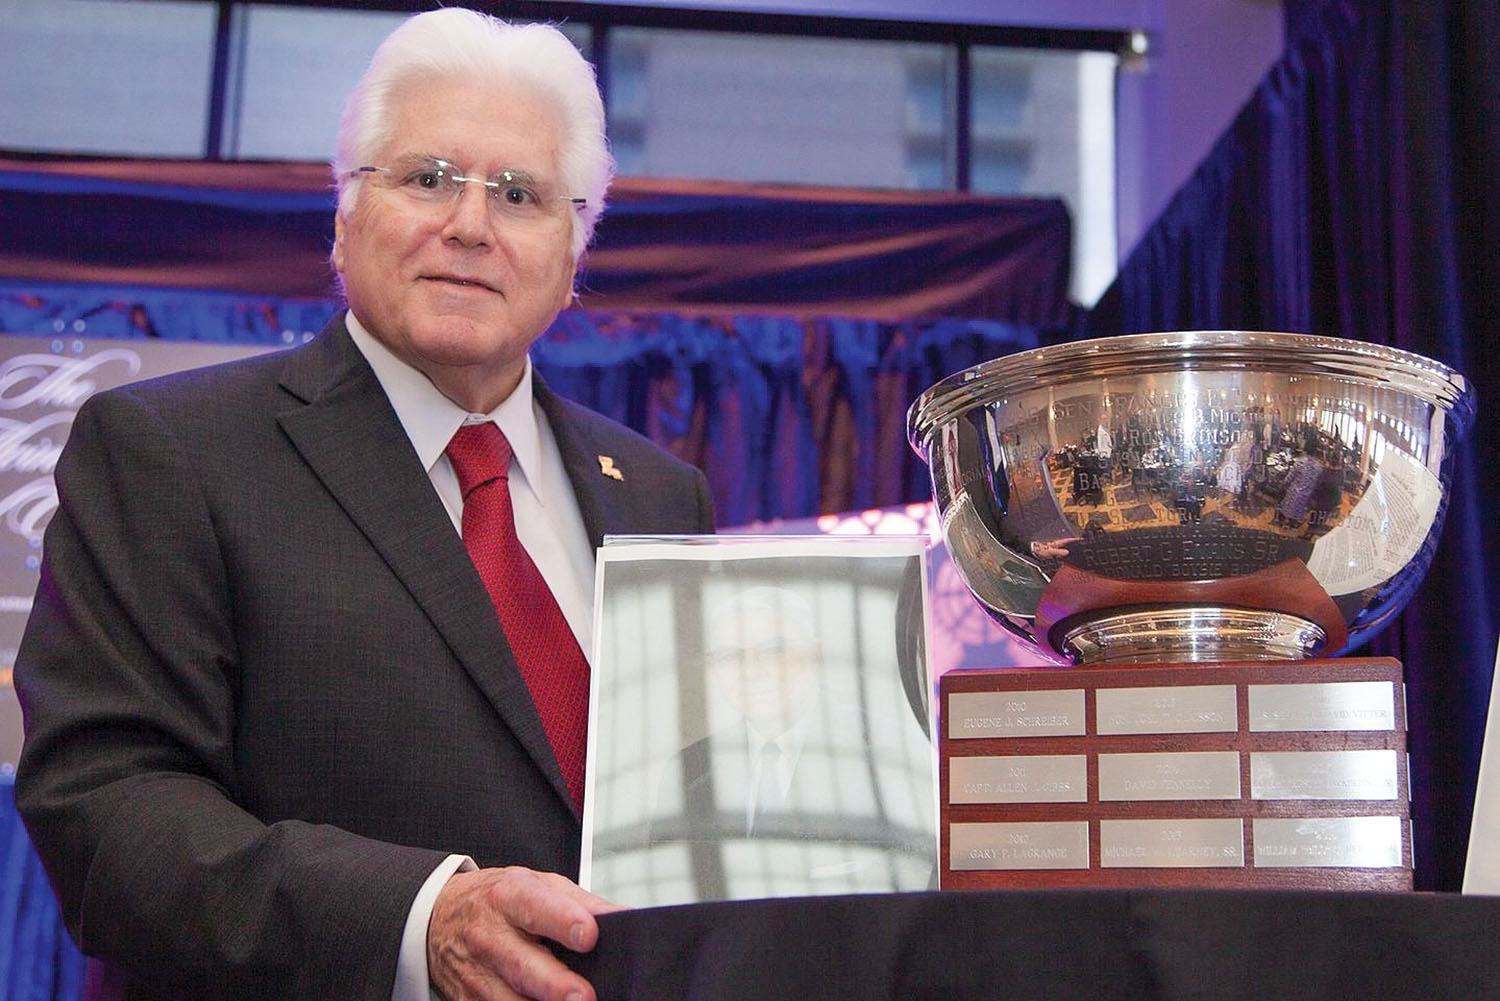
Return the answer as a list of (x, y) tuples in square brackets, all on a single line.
[(412, 982)]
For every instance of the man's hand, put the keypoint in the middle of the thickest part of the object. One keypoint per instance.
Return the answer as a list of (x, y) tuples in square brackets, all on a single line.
[(1053, 549), (482, 939)]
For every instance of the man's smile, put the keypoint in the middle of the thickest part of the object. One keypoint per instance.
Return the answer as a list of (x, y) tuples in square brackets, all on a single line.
[(460, 281)]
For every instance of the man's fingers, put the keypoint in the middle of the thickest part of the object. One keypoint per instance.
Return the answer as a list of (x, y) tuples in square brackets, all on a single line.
[(530, 969), (493, 961), (482, 937), (593, 903), (554, 908)]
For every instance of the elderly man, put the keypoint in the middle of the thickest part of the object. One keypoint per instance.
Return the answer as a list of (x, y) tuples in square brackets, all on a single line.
[(304, 690)]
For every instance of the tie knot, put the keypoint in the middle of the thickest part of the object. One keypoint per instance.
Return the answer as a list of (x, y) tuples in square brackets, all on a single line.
[(480, 454)]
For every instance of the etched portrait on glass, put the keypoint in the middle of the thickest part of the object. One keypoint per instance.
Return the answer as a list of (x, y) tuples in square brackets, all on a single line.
[(760, 721)]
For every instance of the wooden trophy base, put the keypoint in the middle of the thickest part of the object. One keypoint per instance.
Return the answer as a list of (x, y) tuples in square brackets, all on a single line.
[(1264, 775)]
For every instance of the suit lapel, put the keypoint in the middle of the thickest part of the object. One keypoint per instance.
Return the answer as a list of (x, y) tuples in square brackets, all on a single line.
[(348, 434), (604, 502)]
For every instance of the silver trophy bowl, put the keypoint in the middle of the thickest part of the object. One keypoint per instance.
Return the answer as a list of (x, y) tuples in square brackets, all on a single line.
[(1196, 496)]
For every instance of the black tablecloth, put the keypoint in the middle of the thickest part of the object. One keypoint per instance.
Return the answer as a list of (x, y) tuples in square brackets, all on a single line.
[(1057, 945)]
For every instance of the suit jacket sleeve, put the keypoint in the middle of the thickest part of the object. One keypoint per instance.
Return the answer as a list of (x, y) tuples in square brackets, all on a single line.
[(128, 675)]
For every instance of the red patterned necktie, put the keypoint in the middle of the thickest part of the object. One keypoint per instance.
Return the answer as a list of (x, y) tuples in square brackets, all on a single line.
[(544, 646)]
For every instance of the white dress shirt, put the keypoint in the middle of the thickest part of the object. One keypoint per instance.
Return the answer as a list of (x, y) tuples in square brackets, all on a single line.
[(548, 524), (787, 753)]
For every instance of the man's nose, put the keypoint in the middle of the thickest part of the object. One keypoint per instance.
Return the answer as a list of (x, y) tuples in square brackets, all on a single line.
[(470, 220)]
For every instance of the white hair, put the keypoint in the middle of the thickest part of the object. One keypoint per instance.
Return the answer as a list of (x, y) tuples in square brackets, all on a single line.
[(468, 45), (790, 612)]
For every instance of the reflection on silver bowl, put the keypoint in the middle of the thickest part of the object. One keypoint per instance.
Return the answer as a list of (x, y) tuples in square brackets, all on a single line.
[(1211, 495)]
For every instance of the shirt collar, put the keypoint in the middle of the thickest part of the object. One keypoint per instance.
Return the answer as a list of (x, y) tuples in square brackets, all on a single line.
[(789, 741), (430, 418)]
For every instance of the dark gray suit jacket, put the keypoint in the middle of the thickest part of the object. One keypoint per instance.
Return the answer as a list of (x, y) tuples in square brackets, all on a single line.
[(265, 690)]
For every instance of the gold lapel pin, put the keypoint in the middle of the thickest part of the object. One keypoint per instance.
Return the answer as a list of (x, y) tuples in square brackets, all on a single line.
[(608, 468)]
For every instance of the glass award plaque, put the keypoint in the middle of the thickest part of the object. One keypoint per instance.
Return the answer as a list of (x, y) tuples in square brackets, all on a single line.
[(759, 720)]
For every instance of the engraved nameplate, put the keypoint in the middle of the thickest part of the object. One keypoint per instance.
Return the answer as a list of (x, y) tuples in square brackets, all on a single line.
[(1015, 714), (1370, 774), (1168, 709), (1170, 775), (1034, 778), (1330, 705), (1062, 844), (1217, 842), (1364, 842)]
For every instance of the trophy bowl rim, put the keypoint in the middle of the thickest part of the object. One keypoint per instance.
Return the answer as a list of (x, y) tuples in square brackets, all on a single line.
[(1177, 352)]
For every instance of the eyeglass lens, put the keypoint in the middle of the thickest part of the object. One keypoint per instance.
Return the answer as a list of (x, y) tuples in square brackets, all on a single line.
[(430, 179)]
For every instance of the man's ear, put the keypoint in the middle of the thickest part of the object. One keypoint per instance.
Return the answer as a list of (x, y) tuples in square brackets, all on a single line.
[(570, 291), (338, 241)]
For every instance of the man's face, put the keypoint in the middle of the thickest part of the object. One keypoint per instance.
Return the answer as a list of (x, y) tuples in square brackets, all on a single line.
[(768, 667), (455, 289)]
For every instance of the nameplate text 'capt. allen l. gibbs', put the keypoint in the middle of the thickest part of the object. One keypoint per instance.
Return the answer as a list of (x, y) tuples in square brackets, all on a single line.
[(1052, 844), (1215, 842), (1015, 714), (1019, 778), (1326, 705), (1169, 775), (1168, 709)]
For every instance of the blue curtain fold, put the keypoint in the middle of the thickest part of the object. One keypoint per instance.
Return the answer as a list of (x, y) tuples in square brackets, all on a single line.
[(38, 961), (787, 417), (1356, 195), (44, 309)]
